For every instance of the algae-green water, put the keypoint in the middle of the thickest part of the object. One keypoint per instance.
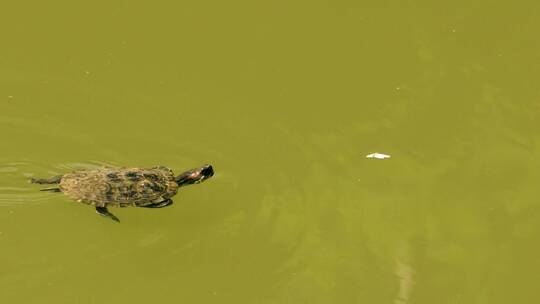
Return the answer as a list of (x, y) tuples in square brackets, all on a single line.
[(285, 99)]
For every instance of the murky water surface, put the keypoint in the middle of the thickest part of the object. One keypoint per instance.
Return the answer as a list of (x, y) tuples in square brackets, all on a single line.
[(285, 99)]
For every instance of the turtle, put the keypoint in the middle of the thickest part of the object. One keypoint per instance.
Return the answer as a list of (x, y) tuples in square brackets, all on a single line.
[(124, 187)]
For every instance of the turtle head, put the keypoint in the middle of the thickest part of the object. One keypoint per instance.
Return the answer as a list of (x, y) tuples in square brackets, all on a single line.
[(195, 176)]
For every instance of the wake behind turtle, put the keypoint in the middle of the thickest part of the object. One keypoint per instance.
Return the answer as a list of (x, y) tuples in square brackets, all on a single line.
[(124, 187)]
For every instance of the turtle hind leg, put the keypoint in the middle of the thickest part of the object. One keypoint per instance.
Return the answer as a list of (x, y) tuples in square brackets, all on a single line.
[(104, 212), (52, 180), (161, 204)]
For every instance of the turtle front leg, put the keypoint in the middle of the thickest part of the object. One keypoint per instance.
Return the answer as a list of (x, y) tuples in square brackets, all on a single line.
[(104, 212), (161, 204)]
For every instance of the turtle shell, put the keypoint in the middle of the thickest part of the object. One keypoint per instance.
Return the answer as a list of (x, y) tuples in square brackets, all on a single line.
[(120, 187)]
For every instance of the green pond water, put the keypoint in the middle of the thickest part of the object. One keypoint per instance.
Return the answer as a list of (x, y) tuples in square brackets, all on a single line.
[(285, 99)]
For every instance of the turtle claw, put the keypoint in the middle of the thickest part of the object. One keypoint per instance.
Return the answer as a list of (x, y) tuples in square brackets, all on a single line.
[(104, 212)]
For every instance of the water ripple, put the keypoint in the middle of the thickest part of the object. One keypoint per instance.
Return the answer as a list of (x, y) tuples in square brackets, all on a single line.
[(15, 188)]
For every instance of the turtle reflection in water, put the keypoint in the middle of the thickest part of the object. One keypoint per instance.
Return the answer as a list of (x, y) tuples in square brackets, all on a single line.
[(124, 187)]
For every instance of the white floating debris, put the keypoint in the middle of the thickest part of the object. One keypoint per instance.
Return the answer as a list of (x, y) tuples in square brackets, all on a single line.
[(378, 156)]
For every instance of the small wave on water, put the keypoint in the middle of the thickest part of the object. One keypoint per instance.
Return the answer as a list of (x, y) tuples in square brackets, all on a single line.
[(15, 188)]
